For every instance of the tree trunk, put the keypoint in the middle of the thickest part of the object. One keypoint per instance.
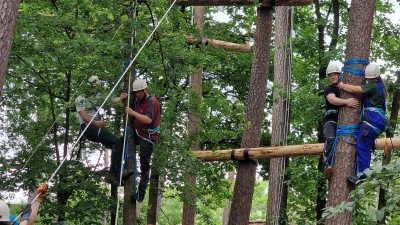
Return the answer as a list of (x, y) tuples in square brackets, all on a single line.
[(129, 218), (357, 46), (387, 155), (189, 209), (228, 202), (323, 63), (246, 171), (277, 190), (153, 197), (8, 20)]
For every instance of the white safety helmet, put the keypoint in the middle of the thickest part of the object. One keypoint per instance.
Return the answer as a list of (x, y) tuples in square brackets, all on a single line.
[(332, 68), (4, 212), (372, 71), (94, 81), (139, 85)]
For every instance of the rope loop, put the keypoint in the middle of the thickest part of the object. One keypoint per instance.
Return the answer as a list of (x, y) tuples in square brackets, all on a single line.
[(343, 130), (353, 70)]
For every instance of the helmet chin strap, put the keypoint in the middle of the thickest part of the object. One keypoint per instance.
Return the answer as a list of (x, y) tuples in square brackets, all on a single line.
[(335, 83)]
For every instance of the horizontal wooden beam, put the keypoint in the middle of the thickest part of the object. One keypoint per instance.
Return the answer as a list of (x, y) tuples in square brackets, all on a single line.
[(279, 151), (229, 46), (239, 2)]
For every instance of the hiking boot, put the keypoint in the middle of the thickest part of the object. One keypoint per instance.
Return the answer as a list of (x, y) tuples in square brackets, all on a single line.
[(354, 179), (112, 179), (137, 197), (127, 173), (328, 172)]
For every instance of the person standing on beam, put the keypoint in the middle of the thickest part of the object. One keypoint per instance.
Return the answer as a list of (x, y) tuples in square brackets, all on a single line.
[(333, 102), (373, 118), (146, 115)]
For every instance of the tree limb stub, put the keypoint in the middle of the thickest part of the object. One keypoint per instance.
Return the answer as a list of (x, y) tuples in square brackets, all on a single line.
[(281, 151), (234, 47)]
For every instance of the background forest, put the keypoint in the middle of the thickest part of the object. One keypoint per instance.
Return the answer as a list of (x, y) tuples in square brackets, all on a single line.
[(58, 45)]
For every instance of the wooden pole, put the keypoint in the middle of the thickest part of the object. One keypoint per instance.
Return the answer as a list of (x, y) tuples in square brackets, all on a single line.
[(281, 151), (263, 3), (234, 47)]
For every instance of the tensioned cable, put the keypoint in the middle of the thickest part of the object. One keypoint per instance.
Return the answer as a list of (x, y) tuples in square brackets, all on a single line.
[(288, 64), (48, 131), (121, 171), (115, 86)]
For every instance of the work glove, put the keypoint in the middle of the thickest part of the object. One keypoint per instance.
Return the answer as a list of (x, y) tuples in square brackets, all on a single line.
[(42, 190), (26, 212)]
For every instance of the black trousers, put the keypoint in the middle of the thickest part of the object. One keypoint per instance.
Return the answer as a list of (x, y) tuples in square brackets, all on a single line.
[(146, 151), (329, 135), (110, 141)]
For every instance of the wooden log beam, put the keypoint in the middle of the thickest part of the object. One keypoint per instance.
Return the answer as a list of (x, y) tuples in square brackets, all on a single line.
[(240, 2), (234, 47), (280, 151)]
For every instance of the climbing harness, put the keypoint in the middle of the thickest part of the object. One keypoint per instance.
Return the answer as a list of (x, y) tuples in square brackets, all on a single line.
[(346, 130)]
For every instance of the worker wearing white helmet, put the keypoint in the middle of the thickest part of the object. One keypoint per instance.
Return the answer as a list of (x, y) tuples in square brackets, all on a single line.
[(373, 117), (29, 212), (146, 116), (88, 110), (333, 102)]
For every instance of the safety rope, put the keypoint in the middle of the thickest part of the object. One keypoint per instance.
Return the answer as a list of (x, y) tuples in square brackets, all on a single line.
[(103, 103), (353, 70), (51, 127), (347, 130), (287, 59)]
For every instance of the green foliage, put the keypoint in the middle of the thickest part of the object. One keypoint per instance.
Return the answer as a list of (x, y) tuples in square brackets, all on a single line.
[(59, 44)]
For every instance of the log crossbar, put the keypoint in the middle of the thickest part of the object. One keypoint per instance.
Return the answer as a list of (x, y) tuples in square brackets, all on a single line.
[(234, 47), (240, 2), (280, 151)]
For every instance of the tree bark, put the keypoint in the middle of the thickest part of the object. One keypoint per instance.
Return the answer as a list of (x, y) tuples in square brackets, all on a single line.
[(277, 190), (323, 63), (387, 155), (357, 46), (228, 202), (129, 183), (153, 197), (189, 209), (8, 20), (246, 171)]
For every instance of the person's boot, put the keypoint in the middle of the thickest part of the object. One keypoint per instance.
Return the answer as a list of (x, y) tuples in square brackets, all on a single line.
[(137, 196), (127, 173), (328, 172), (112, 179)]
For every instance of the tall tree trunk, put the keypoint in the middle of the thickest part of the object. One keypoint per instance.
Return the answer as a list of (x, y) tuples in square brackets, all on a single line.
[(129, 206), (246, 171), (228, 202), (67, 113), (357, 46), (387, 155), (189, 209), (154, 194), (277, 190), (8, 20), (323, 63)]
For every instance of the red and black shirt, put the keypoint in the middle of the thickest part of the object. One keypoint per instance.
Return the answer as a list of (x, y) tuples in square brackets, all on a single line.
[(150, 108)]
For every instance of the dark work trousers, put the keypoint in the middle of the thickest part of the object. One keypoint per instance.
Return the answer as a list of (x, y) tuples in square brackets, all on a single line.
[(146, 150), (329, 135), (110, 141)]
